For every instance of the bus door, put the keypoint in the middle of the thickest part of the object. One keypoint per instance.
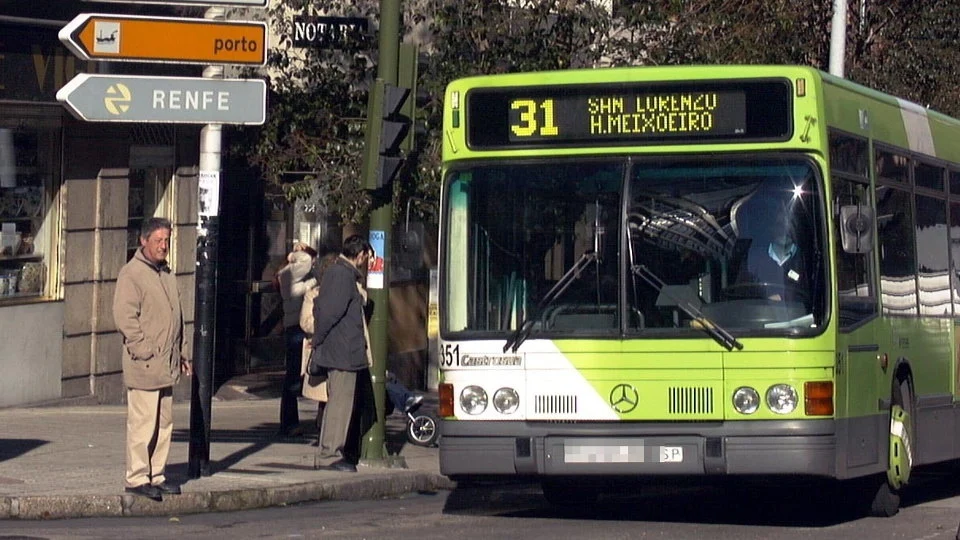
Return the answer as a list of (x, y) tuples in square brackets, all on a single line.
[(859, 375), (956, 360), (858, 382)]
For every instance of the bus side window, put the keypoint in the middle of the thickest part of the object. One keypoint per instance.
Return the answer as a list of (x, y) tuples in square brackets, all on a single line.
[(955, 248)]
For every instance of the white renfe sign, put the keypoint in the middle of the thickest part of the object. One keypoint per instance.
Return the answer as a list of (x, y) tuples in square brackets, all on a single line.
[(183, 100)]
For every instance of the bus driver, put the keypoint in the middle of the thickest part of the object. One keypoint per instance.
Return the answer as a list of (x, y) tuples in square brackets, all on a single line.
[(774, 261)]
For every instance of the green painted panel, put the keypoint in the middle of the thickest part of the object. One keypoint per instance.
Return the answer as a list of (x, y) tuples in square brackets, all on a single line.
[(779, 359), (700, 394), (886, 124), (946, 137), (841, 108), (661, 400), (926, 345), (573, 346), (859, 375), (669, 373), (955, 356)]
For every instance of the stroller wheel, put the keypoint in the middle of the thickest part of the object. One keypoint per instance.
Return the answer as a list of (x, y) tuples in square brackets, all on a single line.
[(423, 429)]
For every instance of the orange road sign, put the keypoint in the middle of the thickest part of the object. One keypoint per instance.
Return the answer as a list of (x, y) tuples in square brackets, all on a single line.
[(172, 40), (238, 3)]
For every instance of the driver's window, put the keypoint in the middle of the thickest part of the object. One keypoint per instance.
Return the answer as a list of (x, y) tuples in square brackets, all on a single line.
[(849, 172), (856, 292)]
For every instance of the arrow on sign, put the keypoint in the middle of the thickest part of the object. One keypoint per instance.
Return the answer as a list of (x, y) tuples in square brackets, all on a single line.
[(133, 38), (177, 100)]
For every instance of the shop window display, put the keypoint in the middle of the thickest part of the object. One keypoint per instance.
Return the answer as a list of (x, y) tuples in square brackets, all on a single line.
[(29, 169)]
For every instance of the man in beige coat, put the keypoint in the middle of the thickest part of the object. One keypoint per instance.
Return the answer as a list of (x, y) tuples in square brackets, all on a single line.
[(147, 311)]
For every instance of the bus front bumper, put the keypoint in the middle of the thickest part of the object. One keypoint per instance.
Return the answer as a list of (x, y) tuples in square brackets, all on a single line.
[(618, 449)]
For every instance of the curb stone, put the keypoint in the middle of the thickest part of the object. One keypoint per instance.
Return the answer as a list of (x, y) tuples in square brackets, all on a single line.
[(84, 506), (65, 506)]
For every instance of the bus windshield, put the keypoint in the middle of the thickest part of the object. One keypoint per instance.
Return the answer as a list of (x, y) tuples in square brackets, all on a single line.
[(545, 248), (517, 230), (738, 239)]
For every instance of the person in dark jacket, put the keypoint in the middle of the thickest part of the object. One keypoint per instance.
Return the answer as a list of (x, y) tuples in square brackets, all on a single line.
[(340, 340)]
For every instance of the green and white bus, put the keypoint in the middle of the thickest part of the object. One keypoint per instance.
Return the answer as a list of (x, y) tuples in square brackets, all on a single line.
[(710, 270)]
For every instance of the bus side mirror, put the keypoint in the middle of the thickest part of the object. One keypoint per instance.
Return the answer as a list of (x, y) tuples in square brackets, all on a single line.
[(856, 228)]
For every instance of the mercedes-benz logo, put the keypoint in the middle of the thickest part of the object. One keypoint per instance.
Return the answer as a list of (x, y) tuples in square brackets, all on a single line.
[(624, 398)]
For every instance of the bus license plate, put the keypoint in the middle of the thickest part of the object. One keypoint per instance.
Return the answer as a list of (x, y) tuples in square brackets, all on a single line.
[(671, 454), (589, 453)]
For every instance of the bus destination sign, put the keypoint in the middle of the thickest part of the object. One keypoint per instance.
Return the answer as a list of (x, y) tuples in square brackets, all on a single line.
[(599, 115), (627, 115)]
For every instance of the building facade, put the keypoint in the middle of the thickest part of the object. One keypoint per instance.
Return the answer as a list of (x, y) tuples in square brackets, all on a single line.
[(72, 196)]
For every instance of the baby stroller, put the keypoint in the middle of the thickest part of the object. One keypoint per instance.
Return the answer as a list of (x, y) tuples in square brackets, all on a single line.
[(422, 429)]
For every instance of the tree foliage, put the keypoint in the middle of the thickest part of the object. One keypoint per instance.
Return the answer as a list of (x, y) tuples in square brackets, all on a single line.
[(894, 46), (727, 32), (908, 50), (477, 37), (316, 117)]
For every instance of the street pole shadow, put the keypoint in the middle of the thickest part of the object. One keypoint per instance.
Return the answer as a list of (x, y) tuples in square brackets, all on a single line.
[(395, 438), (12, 448), (257, 439)]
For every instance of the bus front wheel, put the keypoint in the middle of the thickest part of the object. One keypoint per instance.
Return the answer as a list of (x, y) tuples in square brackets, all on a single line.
[(886, 499)]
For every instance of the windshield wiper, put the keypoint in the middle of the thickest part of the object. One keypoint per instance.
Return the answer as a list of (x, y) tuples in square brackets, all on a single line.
[(526, 325), (700, 321)]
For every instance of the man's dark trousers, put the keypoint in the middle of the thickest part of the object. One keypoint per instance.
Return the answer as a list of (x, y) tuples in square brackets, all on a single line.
[(289, 411), (337, 416)]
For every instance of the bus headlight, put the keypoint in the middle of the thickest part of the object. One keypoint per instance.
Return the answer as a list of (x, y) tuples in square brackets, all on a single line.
[(506, 400), (746, 400), (473, 400), (782, 398)]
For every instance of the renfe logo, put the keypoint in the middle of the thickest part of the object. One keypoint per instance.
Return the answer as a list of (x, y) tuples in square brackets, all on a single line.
[(117, 99)]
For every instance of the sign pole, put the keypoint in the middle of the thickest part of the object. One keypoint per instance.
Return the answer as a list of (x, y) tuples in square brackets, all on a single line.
[(208, 229), (373, 449)]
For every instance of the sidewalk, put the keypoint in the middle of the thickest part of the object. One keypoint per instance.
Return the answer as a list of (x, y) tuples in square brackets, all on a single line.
[(66, 462)]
